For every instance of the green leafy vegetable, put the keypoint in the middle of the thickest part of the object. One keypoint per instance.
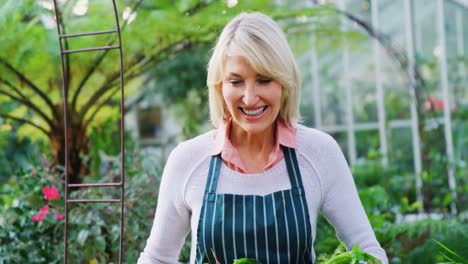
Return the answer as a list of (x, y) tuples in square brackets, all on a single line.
[(355, 256), (246, 261)]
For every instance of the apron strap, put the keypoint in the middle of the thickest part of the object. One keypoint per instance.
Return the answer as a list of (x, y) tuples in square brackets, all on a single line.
[(212, 181), (293, 170)]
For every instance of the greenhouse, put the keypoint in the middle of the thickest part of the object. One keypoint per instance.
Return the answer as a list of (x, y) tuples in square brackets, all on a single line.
[(96, 97)]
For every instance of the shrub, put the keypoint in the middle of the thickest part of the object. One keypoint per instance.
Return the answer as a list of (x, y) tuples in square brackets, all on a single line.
[(27, 235)]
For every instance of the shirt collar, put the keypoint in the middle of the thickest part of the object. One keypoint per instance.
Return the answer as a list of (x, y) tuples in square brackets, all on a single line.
[(285, 135)]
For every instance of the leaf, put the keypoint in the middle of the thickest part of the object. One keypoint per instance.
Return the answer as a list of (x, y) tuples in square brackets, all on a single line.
[(451, 252), (452, 261), (342, 258), (246, 261), (82, 236), (185, 5), (101, 243), (447, 199)]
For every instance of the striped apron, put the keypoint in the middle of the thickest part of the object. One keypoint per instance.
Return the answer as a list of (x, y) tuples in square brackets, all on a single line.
[(272, 229)]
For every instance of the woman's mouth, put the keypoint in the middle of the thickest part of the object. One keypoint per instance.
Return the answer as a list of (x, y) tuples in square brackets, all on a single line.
[(253, 112)]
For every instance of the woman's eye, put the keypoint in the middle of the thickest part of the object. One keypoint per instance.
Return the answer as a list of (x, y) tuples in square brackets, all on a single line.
[(264, 81), (235, 82)]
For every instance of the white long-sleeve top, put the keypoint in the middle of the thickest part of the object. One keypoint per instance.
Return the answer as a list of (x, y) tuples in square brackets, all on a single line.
[(328, 185)]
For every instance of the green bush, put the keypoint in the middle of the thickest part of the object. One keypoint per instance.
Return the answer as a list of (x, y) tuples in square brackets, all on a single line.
[(94, 229), (22, 240), (388, 196)]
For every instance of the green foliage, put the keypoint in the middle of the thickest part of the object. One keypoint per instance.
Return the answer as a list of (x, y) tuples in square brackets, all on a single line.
[(386, 196), (341, 256), (17, 151), (22, 240), (246, 261), (31, 74), (181, 82), (192, 113), (450, 255), (148, 41), (93, 228), (414, 239), (382, 187), (104, 142)]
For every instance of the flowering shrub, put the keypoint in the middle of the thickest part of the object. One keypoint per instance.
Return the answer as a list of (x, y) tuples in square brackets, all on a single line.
[(50, 193), (31, 225), (31, 213)]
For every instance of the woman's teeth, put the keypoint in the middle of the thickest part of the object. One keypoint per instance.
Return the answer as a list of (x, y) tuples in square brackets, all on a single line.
[(253, 112)]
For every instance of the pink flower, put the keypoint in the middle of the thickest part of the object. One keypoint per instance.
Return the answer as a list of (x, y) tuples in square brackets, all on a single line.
[(42, 213), (50, 193), (37, 218), (44, 210), (58, 215), (434, 104)]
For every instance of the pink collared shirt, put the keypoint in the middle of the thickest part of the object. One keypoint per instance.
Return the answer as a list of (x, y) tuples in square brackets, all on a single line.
[(285, 135)]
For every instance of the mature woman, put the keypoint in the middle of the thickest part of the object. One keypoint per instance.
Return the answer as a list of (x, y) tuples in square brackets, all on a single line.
[(253, 186)]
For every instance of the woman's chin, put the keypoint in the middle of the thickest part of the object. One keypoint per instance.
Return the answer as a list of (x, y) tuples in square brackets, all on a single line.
[(255, 128)]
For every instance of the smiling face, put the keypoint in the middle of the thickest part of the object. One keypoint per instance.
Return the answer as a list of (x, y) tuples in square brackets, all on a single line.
[(252, 100)]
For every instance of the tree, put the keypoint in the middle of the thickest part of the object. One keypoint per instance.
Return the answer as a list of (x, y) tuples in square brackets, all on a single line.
[(152, 32)]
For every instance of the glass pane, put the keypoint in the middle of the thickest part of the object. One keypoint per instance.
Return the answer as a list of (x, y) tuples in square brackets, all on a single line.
[(388, 10), (397, 101), (456, 55), (393, 75), (465, 31), (367, 141), (332, 96), (307, 98), (400, 148), (361, 72), (425, 30), (428, 50), (461, 94), (360, 8), (364, 98)]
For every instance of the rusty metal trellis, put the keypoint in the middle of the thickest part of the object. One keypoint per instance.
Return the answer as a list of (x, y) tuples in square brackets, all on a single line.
[(62, 36)]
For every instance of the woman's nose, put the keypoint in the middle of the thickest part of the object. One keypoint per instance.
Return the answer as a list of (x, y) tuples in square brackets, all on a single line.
[(250, 97)]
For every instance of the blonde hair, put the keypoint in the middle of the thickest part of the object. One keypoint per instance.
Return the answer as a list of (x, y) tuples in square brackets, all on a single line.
[(259, 39)]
